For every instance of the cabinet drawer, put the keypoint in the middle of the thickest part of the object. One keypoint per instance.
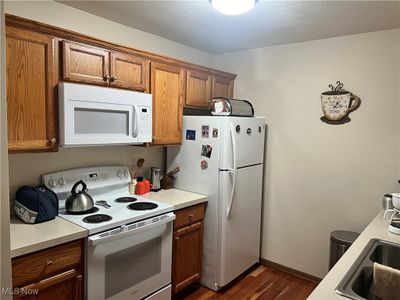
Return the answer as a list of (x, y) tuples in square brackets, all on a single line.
[(189, 216), (33, 267)]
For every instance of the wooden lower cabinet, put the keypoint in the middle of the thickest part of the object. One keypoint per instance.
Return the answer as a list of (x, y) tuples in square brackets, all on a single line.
[(64, 286), (54, 273), (187, 247)]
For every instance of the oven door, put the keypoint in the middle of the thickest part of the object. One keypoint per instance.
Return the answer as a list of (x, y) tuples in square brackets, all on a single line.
[(130, 262)]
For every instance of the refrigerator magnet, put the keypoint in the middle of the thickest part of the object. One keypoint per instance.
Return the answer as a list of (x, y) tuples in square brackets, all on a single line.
[(215, 133), (205, 131), (206, 150), (204, 164), (191, 135)]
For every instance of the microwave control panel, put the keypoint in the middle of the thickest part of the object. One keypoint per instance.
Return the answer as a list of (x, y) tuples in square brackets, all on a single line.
[(145, 123)]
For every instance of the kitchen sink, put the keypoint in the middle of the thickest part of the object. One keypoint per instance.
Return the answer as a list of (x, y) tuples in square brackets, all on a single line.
[(355, 284)]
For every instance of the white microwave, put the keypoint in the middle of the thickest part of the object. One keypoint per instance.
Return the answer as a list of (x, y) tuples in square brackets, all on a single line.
[(91, 115)]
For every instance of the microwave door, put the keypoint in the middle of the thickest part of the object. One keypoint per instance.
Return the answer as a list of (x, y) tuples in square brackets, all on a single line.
[(96, 123)]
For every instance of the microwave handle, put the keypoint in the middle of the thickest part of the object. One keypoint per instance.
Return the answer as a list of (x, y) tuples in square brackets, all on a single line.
[(135, 127)]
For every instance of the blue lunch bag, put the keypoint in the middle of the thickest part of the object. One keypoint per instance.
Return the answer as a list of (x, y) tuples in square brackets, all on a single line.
[(35, 204)]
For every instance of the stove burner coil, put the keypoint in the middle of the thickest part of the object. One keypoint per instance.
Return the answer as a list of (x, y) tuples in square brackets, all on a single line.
[(86, 212), (125, 199), (142, 206), (99, 218)]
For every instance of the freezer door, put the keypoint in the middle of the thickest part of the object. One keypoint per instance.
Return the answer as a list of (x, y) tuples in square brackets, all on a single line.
[(242, 142), (239, 226)]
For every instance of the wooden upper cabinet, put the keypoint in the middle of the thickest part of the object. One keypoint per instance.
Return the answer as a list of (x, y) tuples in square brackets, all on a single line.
[(31, 97), (129, 72), (86, 64), (168, 89), (222, 86), (198, 88)]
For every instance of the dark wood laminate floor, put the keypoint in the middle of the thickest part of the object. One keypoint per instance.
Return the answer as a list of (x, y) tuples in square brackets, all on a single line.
[(263, 283)]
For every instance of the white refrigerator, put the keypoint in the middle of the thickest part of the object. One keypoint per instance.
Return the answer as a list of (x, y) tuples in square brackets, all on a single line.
[(222, 157)]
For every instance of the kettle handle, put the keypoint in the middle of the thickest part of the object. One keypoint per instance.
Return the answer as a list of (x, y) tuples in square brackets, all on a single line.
[(80, 182)]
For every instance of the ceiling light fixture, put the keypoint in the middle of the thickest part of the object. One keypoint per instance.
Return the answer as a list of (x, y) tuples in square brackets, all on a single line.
[(233, 7)]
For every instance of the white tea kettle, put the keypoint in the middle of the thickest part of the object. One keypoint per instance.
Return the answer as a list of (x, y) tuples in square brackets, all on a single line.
[(79, 201)]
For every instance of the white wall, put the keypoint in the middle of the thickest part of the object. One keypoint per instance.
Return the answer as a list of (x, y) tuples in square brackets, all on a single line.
[(57, 14), (5, 261), (322, 177), (26, 168)]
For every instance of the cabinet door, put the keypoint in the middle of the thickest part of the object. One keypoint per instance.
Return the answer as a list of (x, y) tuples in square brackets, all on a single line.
[(129, 72), (85, 64), (198, 89), (187, 255), (222, 87), (167, 88), (31, 98), (64, 286)]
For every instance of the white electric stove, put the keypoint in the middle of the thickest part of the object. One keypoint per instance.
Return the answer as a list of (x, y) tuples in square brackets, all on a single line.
[(129, 247)]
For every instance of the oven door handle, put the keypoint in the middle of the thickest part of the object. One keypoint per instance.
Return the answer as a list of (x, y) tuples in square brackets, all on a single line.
[(124, 231)]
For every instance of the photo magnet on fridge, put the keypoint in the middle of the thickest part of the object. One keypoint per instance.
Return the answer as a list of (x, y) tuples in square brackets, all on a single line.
[(191, 135), (215, 133), (203, 164), (206, 150), (205, 131)]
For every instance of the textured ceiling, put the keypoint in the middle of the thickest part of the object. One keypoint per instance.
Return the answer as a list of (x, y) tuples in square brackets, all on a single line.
[(196, 24)]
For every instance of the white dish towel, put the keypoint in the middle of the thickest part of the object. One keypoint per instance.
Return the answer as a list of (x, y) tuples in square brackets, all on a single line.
[(386, 282)]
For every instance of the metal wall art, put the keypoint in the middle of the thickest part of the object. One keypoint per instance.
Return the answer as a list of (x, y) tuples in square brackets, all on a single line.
[(337, 104)]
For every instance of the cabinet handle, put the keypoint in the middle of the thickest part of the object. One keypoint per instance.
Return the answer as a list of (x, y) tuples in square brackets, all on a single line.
[(112, 79), (53, 140), (177, 238), (79, 277), (106, 78), (191, 216), (49, 263)]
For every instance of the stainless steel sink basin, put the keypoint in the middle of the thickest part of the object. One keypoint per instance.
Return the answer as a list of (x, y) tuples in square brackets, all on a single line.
[(355, 284)]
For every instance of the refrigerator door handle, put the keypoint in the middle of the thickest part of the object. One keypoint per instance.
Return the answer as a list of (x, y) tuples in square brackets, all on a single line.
[(233, 139), (230, 204)]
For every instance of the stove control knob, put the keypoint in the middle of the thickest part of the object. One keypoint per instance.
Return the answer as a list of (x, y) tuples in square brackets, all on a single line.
[(126, 174), (62, 181), (52, 183)]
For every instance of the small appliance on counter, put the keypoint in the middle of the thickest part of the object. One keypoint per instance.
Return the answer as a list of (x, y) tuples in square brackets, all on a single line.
[(155, 179), (391, 204)]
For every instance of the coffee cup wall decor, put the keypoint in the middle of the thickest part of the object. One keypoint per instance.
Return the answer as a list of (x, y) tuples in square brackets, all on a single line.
[(337, 104)]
